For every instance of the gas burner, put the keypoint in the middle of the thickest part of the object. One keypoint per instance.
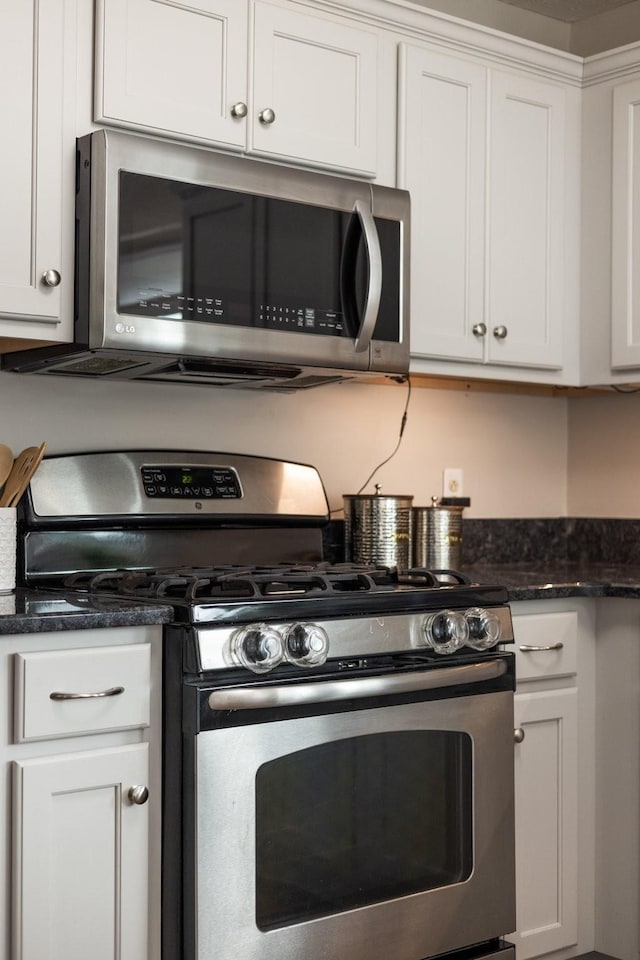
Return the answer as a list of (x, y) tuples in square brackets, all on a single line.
[(280, 581)]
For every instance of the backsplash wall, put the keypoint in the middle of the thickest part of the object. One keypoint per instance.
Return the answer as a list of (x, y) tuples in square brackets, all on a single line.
[(512, 448)]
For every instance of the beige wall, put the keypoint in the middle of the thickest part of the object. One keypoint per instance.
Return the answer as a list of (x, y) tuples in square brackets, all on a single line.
[(604, 456), (513, 449), (596, 34)]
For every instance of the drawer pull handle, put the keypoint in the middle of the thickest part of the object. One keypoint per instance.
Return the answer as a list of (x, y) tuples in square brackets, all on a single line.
[(111, 692), (518, 735), (138, 794), (527, 648)]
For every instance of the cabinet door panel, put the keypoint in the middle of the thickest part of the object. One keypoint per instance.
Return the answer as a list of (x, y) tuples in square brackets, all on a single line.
[(36, 51), (175, 68), (625, 226), (526, 221), (320, 79), (546, 784), (442, 164), (81, 855)]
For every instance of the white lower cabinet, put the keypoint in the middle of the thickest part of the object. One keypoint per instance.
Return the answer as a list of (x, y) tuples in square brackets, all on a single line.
[(554, 779), (81, 853), (80, 795)]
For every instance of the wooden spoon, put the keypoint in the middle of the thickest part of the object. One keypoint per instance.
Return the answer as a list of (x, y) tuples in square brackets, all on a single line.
[(24, 467), (6, 463)]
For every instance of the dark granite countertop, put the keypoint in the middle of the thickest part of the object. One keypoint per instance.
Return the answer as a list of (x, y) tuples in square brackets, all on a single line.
[(36, 611), (553, 580)]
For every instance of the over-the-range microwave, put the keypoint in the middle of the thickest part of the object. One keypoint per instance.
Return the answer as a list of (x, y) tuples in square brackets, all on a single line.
[(196, 266)]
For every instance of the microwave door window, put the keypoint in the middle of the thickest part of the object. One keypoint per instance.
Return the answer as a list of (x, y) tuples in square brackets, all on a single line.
[(203, 254)]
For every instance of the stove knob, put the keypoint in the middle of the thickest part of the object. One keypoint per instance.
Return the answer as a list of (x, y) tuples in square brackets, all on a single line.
[(257, 647), (446, 631), (306, 644), (485, 628)]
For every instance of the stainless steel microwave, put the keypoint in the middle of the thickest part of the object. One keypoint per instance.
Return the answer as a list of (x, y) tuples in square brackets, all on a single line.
[(196, 266)]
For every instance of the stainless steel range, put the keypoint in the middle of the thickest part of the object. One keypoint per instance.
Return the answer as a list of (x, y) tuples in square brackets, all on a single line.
[(338, 760)]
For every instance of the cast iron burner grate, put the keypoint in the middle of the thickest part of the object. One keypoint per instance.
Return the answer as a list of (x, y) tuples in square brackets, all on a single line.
[(195, 584)]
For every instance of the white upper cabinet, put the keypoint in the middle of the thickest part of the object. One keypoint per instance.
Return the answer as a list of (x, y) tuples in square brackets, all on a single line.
[(483, 153), (625, 227), (525, 263), (279, 80), (37, 113), (443, 147)]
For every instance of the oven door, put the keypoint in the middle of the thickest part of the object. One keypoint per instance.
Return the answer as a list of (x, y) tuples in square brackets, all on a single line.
[(338, 825)]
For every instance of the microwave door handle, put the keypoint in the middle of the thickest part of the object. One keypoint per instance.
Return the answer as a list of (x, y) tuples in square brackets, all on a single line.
[(374, 256), (326, 691)]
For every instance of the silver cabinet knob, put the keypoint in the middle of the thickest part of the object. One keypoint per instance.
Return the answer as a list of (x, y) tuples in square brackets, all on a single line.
[(138, 794), (239, 110), (518, 734), (51, 278), (500, 333), (267, 115), (479, 329)]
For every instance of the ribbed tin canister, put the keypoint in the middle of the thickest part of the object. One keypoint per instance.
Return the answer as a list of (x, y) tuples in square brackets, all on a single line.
[(377, 529), (437, 537)]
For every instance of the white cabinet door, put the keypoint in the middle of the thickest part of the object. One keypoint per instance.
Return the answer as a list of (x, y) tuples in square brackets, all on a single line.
[(81, 856), (442, 163), (625, 227), (37, 71), (182, 70), (319, 78), (482, 153), (526, 222), (173, 68), (546, 802)]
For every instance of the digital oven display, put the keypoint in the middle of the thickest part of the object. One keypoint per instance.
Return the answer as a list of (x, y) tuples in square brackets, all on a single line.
[(185, 482)]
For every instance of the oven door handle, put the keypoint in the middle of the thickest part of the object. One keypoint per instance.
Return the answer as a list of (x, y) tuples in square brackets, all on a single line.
[(326, 691)]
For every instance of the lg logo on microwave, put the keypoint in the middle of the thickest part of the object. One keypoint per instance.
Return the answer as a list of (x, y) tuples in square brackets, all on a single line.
[(125, 328)]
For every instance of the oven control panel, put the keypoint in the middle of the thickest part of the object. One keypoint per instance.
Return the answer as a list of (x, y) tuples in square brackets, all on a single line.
[(190, 482)]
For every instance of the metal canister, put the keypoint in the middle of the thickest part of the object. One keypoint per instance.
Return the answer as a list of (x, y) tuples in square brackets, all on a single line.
[(437, 536), (378, 529)]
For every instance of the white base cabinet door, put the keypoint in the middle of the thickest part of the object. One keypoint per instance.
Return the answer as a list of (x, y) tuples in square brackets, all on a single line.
[(81, 856), (546, 779), (37, 168)]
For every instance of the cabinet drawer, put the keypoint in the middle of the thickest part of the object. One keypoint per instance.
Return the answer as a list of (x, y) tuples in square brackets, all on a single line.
[(62, 693), (553, 636)]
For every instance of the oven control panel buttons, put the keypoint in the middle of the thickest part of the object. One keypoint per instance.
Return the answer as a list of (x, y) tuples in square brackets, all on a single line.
[(258, 647), (448, 630), (484, 628), (306, 644)]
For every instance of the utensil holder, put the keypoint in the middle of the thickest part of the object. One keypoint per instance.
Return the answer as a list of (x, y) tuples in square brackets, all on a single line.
[(7, 549)]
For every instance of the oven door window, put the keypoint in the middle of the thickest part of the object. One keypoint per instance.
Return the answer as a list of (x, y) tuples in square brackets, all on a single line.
[(358, 821)]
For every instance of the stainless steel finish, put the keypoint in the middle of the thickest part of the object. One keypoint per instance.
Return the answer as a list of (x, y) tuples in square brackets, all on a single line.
[(109, 484), (437, 537), (239, 110), (377, 529), (530, 648), (123, 346), (483, 906), (51, 278), (111, 692), (348, 638), (500, 333), (479, 329), (266, 116), (518, 734), (261, 698), (374, 256), (138, 794)]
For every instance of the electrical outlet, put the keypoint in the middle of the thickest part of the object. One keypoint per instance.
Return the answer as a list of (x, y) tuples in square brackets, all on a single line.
[(453, 482)]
